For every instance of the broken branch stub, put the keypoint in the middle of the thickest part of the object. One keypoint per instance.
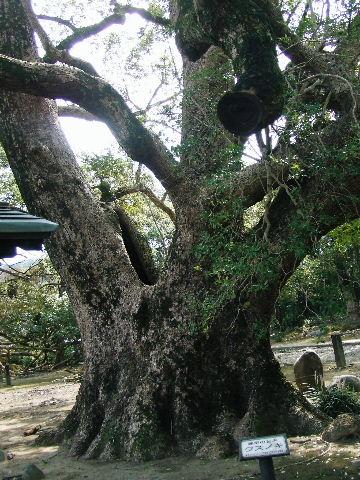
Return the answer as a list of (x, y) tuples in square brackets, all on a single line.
[(243, 31), (240, 112)]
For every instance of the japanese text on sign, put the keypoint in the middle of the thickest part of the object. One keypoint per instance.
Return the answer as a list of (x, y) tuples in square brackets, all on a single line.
[(272, 446)]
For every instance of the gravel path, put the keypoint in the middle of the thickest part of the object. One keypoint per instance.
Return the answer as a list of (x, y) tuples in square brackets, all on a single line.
[(21, 399), (287, 355)]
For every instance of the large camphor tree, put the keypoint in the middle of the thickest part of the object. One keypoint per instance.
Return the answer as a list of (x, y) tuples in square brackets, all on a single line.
[(175, 357)]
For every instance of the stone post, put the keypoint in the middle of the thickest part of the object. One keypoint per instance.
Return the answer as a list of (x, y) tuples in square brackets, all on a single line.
[(338, 350)]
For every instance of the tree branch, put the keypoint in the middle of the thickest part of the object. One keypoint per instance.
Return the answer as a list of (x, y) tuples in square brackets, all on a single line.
[(23, 342), (287, 39), (75, 112), (64, 57), (117, 18), (317, 207), (59, 20), (137, 247), (97, 97), (83, 33), (313, 61), (150, 194), (54, 54), (292, 228), (291, 44), (252, 183), (349, 88), (45, 40), (145, 14)]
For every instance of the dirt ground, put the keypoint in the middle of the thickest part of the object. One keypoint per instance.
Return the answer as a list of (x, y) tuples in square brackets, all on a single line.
[(45, 401)]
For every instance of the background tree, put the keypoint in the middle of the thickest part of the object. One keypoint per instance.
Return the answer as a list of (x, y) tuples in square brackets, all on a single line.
[(324, 291), (35, 320), (174, 358)]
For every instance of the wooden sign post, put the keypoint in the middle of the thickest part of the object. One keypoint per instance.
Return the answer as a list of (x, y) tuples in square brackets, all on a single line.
[(264, 449)]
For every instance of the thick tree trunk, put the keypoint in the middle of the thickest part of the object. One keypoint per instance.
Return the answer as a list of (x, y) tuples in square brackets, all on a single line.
[(183, 383), (183, 379), (161, 375)]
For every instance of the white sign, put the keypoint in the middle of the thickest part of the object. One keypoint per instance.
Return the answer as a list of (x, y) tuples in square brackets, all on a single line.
[(272, 446)]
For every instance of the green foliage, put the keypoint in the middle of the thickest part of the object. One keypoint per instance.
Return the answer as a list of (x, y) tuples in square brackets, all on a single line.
[(318, 23), (119, 173), (335, 401), (157, 8), (37, 321), (312, 293), (225, 254), (317, 292), (9, 191), (346, 236)]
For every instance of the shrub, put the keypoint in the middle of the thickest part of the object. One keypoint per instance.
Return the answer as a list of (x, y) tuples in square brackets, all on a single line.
[(335, 401)]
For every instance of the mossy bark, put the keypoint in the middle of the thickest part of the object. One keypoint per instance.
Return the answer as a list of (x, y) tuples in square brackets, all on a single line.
[(180, 385), (243, 31)]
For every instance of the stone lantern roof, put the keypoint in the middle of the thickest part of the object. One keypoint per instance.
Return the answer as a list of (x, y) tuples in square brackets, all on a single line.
[(20, 229)]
